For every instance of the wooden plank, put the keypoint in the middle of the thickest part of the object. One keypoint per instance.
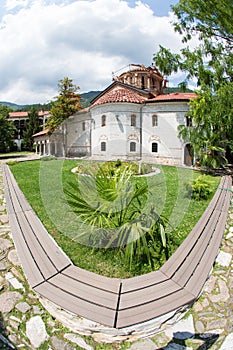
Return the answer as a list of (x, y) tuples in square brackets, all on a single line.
[(138, 282), (93, 279), (188, 266), (36, 249), (149, 311), (84, 291), (148, 294), (29, 265), (9, 204), (201, 273), (80, 307), (173, 263), (58, 258)]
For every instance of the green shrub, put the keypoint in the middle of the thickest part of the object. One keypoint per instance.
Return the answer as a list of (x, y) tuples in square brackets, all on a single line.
[(200, 188)]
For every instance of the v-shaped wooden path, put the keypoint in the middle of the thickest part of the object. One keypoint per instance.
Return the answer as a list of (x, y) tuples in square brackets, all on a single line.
[(113, 302)]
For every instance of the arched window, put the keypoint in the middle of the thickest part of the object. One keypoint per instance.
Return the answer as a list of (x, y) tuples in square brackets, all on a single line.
[(154, 120), (154, 147), (103, 120), (133, 120), (132, 146), (103, 146)]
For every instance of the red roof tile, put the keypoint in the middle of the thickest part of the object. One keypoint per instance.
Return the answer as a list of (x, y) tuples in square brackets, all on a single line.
[(175, 96), (120, 94), (18, 114), (42, 113), (25, 114), (43, 132)]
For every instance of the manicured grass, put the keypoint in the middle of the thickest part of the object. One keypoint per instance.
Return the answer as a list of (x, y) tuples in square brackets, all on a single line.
[(43, 183)]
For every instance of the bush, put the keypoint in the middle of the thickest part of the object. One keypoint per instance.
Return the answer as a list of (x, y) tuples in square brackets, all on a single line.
[(200, 188)]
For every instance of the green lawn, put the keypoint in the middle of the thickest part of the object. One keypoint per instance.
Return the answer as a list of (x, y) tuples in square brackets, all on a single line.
[(43, 182)]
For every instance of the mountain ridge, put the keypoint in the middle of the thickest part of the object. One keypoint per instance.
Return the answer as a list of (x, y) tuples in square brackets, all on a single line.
[(86, 98)]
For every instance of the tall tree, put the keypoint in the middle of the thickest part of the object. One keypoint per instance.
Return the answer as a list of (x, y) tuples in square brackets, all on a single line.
[(32, 127), (67, 103), (7, 130), (211, 64)]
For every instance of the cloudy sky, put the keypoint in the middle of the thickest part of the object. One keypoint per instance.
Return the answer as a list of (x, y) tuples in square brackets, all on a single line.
[(42, 41)]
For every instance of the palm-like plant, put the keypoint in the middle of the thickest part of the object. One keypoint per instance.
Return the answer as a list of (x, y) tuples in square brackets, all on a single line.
[(110, 208)]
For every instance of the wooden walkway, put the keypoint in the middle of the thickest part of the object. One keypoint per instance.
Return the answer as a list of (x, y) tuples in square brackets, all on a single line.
[(113, 302)]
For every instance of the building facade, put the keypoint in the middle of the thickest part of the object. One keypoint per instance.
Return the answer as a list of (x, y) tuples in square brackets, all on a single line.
[(130, 120), (20, 120)]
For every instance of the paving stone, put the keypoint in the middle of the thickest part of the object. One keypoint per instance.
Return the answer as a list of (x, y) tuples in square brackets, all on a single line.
[(223, 294), (37, 310), (228, 343), (8, 301), (199, 326), (17, 274), (79, 341), (13, 281), (184, 329), (216, 324), (4, 219), (36, 331), (3, 266), (224, 259), (23, 307), (210, 284), (13, 257), (143, 344), (5, 244), (2, 208), (59, 344)]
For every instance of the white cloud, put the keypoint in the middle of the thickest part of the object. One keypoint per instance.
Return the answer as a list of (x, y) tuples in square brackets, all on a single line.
[(12, 4), (84, 40)]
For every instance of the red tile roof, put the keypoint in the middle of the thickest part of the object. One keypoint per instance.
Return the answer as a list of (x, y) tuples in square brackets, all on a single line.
[(18, 114), (42, 113), (119, 94), (175, 96), (25, 114), (43, 132)]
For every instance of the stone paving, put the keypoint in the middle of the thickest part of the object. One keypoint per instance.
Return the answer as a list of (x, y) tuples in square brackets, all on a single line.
[(26, 324)]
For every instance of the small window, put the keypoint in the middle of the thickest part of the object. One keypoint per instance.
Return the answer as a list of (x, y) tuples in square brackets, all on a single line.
[(154, 147), (132, 147), (103, 120), (103, 146), (84, 126), (154, 120), (188, 121), (133, 120)]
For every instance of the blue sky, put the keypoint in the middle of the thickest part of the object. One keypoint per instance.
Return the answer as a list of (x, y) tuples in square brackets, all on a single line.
[(42, 41)]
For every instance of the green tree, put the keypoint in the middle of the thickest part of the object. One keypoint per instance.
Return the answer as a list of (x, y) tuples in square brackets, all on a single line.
[(32, 127), (66, 104), (211, 64), (7, 130)]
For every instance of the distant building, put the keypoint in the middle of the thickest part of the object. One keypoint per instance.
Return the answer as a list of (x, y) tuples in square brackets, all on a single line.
[(130, 120), (20, 120)]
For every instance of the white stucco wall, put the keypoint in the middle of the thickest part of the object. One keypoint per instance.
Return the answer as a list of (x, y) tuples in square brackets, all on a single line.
[(118, 132)]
